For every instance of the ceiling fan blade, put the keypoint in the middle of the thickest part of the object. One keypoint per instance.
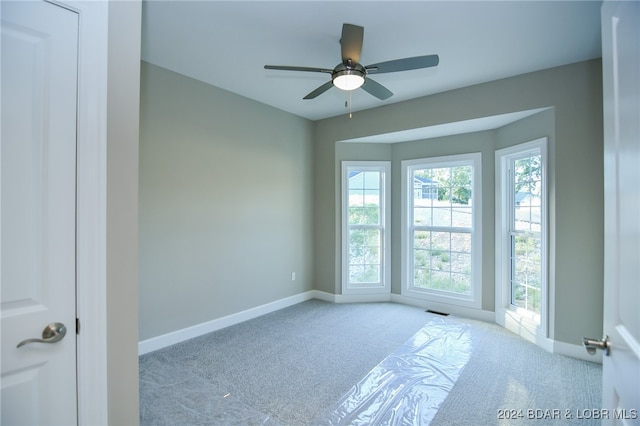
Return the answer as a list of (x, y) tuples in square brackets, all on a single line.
[(291, 68), (404, 64), (320, 90), (351, 42), (376, 89)]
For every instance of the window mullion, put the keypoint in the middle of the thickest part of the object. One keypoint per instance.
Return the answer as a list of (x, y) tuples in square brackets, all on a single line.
[(442, 229)]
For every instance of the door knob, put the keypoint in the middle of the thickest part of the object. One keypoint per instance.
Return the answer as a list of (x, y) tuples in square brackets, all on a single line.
[(592, 344), (52, 333)]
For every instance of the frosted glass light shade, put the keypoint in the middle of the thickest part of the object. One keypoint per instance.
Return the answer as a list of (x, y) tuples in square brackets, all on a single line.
[(348, 80)]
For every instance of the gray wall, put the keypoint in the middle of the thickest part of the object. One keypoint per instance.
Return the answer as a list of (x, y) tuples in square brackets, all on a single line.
[(226, 204), (574, 126), (235, 195)]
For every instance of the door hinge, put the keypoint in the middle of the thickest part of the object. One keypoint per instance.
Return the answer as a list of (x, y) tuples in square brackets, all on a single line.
[(77, 325)]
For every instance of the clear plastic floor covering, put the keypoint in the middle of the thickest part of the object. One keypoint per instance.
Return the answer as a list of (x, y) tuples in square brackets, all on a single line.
[(409, 385)]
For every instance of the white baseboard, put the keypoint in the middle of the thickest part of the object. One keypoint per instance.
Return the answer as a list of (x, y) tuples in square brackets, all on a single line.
[(351, 298), (323, 295), (528, 331), (362, 298), (159, 342), (477, 314)]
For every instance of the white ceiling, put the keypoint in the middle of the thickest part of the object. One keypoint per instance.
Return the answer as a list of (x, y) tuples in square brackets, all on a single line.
[(227, 44)]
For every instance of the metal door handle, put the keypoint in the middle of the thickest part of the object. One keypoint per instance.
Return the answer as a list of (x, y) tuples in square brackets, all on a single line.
[(592, 344), (52, 333)]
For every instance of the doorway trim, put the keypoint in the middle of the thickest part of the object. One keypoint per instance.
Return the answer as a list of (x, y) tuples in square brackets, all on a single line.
[(91, 209)]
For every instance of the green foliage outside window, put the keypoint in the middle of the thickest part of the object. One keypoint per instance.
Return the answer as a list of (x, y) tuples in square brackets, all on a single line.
[(442, 260), (453, 183), (369, 214), (526, 244), (364, 244)]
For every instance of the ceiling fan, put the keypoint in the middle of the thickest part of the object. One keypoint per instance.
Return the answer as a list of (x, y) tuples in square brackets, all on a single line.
[(350, 74)]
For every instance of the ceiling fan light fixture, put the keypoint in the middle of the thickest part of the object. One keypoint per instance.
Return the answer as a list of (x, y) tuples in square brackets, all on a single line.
[(348, 79), (349, 74)]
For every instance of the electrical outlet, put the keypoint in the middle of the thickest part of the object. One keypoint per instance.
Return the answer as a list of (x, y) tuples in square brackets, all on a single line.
[(293, 276)]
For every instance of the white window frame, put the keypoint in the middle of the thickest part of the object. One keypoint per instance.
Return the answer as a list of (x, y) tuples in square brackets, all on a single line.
[(527, 324), (384, 286), (474, 299)]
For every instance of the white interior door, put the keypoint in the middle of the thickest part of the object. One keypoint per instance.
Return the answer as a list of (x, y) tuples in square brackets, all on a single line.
[(37, 227), (621, 79)]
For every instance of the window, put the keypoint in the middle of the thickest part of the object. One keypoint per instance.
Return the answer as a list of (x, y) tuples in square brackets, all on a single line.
[(521, 288), (525, 231), (441, 229), (365, 225)]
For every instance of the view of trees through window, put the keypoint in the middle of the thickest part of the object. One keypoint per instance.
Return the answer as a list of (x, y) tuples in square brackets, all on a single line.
[(364, 227), (526, 226), (442, 220)]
